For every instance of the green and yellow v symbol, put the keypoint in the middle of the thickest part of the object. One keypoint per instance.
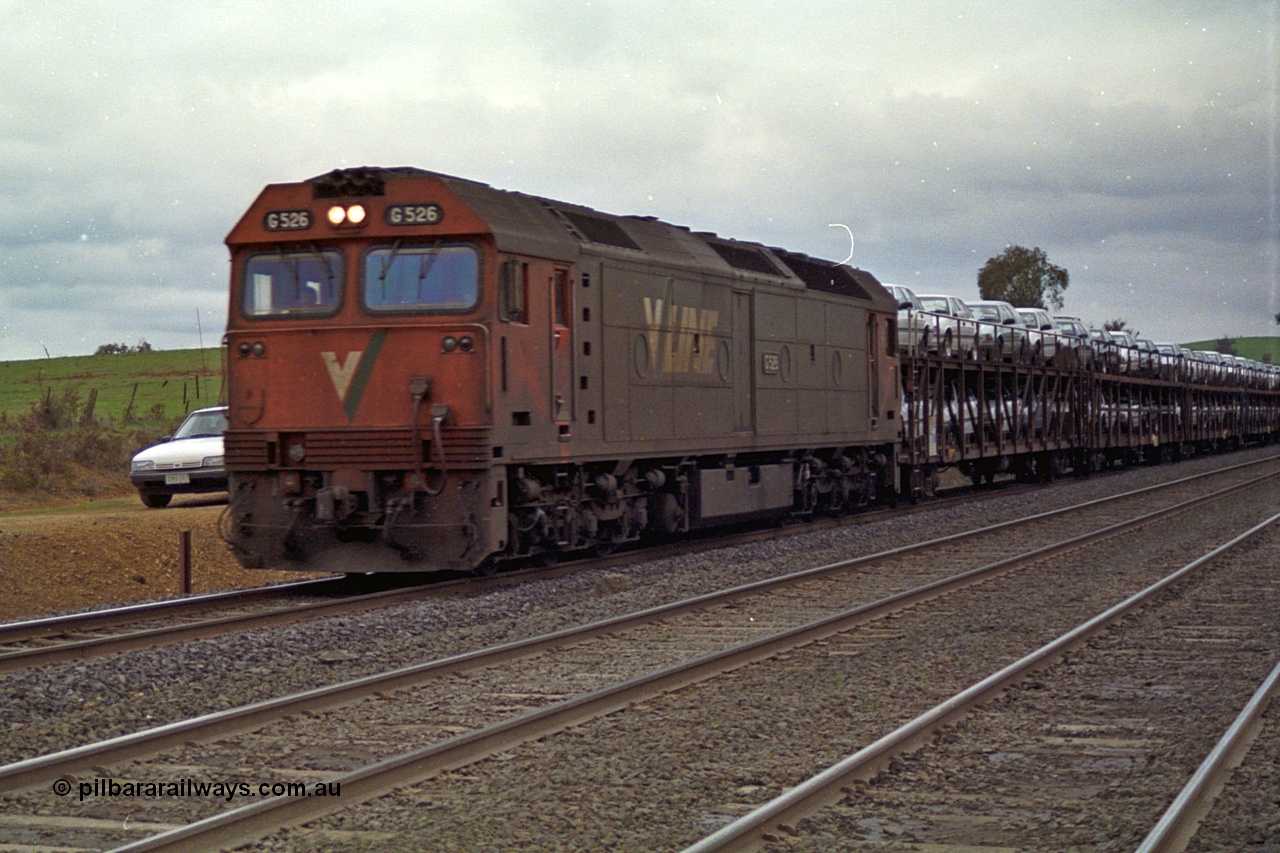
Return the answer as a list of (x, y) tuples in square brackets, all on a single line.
[(351, 375)]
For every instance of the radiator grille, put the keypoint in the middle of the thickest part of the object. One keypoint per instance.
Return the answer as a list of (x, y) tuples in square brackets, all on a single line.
[(369, 449)]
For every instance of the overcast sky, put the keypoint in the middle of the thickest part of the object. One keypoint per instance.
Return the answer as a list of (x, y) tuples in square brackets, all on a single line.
[(1135, 142)]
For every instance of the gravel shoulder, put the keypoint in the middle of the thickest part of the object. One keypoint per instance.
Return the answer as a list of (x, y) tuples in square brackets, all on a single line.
[(63, 559)]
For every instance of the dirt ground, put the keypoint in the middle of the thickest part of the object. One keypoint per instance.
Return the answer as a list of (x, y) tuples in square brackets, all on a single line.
[(56, 559)]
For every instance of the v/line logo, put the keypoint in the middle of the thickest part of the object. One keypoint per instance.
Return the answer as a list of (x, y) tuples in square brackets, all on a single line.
[(350, 375), (687, 333)]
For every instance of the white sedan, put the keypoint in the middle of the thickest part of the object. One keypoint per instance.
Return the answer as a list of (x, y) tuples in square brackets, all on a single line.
[(189, 461)]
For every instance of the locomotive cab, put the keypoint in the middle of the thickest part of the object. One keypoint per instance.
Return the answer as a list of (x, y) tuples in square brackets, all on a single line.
[(359, 364)]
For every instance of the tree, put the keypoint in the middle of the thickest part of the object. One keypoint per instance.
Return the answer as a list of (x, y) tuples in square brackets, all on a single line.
[(1225, 345), (1023, 277), (1120, 324), (120, 349)]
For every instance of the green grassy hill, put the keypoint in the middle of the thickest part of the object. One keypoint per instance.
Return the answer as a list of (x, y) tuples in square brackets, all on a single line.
[(161, 385), (50, 447), (1258, 349)]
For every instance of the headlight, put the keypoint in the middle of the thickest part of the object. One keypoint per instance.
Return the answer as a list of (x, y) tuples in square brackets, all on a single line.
[(211, 462), (142, 465), (352, 215)]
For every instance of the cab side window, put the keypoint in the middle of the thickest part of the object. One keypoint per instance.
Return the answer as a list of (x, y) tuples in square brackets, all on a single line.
[(513, 290), (562, 294)]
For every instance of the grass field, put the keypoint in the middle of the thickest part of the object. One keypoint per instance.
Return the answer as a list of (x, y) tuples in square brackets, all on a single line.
[(1258, 349), (132, 384)]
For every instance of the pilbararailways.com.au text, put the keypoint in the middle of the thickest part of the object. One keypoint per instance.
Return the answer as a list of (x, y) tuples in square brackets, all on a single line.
[(228, 791)]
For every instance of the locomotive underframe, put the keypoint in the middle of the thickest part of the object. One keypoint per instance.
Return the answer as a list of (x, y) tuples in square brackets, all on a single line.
[(383, 518), (559, 507)]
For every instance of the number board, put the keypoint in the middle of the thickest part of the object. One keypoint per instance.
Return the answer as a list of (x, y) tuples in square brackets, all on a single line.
[(287, 220), (414, 214), (772, 363)]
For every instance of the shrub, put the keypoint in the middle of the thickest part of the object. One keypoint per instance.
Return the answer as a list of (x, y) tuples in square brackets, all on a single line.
[(52, 448)]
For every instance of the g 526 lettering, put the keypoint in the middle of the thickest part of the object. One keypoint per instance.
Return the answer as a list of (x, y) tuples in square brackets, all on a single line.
[(287, 220), (414, 214)]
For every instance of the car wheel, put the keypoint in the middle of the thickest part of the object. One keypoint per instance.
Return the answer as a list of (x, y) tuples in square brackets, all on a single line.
[(947, 351), (155, 500)]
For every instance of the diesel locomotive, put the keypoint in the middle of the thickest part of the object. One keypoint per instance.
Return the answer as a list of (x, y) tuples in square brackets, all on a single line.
[(428, 373)]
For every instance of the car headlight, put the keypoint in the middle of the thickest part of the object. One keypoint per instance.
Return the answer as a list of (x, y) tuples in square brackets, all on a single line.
[(142, 465), (211, 462)]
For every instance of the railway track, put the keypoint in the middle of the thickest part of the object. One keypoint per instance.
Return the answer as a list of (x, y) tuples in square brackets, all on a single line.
[(76, 627), (42, 642), (762, 612), (79, 636), (1177, 828), (1077, 735)]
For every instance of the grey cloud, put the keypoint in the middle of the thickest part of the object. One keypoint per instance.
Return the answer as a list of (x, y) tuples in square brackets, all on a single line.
[(937, 131)]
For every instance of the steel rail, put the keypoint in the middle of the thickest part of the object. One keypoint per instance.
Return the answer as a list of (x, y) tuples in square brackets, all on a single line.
[(32, 771), (252, 821), (45, 626), (1178, 825), (96, 646), (830, 786), (81, 649)]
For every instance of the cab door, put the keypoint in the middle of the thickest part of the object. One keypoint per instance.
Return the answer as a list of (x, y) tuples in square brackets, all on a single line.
[(744, 414), (561, 349)]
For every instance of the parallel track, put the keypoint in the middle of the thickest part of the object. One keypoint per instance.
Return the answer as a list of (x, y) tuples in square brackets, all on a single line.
[(76, 637), (370, 781), (33, 771), (833, 784)]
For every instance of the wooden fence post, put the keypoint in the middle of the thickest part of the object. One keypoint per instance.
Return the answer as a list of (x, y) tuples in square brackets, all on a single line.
[(184, 562)]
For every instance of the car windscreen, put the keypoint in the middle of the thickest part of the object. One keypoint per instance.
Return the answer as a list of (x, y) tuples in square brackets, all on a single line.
[(202, 424)]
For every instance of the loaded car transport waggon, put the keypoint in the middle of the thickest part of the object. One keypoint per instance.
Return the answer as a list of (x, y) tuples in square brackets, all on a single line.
[(427, 373)]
